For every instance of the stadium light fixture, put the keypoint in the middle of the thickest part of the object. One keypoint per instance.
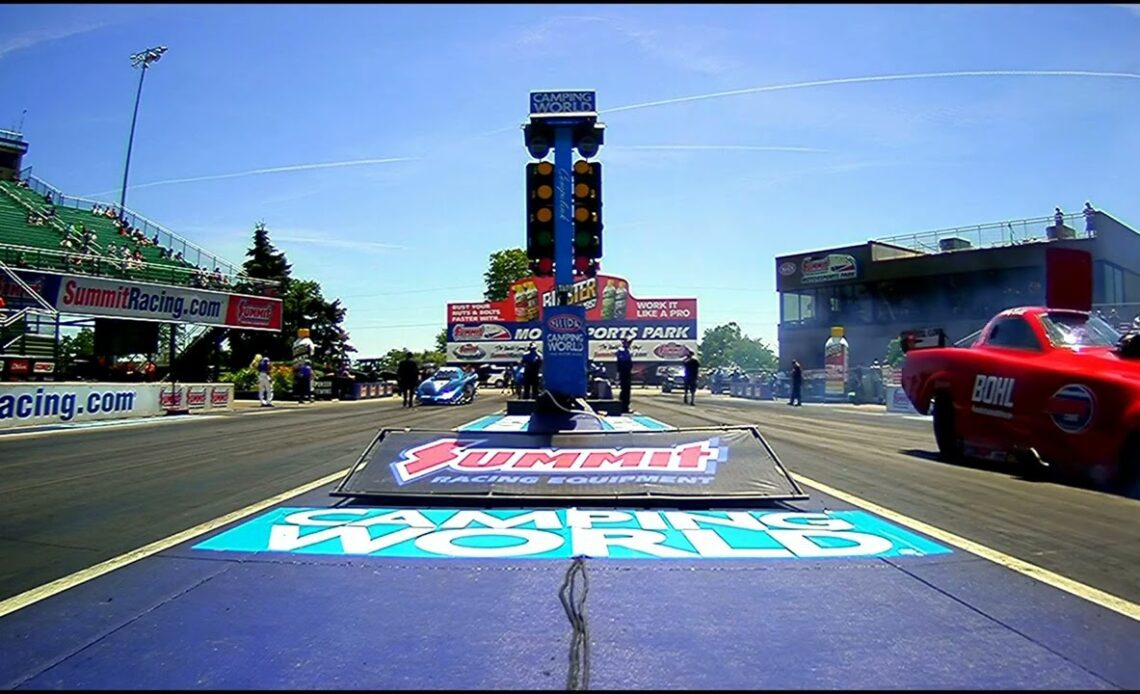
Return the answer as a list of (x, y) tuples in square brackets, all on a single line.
[(141, 59)]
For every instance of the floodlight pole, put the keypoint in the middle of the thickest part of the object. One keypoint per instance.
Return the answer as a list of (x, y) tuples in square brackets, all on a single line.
[(143, 60)]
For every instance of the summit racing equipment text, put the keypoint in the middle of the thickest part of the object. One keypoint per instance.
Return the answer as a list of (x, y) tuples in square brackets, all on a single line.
[(464, 455)]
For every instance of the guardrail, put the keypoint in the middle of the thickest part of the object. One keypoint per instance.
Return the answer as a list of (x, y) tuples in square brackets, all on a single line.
[(34, 258), (1010, 233)]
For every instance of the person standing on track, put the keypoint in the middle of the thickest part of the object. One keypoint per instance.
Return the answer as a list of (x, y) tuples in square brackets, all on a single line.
[(797, 384), (407, 376), (625, 373), (532, 365), (264, 381), (692, 368)]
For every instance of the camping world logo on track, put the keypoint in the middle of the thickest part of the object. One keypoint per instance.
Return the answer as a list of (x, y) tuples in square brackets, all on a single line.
[(1072, 408), (466, 456)]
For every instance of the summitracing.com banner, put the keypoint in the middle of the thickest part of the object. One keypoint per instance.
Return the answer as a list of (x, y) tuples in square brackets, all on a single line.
[(662, 330), (724, 463), (110, 298)]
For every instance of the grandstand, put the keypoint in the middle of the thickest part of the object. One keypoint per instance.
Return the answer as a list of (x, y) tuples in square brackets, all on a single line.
[(41, 228)]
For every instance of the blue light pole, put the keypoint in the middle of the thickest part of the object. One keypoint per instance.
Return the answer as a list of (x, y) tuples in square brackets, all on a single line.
[(142, 60)]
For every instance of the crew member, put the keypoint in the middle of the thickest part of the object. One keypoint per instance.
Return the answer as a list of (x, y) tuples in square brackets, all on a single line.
[(532, 365), (305, 382), (407, 376), (625, 373), (264, 381), (692, 368), (797, 384)]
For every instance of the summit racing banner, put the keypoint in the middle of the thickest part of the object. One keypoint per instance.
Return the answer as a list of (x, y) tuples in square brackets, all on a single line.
[(662, 330), (728, 462), (563, 533), (97, 296)]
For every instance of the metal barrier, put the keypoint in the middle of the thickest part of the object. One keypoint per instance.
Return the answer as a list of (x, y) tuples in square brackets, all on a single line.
[(989, 235)]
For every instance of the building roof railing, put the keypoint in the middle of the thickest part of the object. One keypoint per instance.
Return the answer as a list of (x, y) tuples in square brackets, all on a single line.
[(990, 235)]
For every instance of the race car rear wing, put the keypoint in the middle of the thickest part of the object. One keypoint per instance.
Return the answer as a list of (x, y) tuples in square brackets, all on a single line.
[(922, 338)]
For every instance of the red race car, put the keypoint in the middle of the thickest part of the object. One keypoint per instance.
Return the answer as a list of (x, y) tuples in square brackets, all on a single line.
[(1044, 387)]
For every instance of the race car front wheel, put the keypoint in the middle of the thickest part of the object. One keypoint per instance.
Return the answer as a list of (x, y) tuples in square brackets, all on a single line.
[(945, 431)]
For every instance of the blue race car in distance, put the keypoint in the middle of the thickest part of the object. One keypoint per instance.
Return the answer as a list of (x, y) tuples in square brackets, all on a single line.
[(449, 385)]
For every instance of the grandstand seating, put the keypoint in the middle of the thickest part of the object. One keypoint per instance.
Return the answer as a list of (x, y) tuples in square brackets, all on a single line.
[(16, 231)]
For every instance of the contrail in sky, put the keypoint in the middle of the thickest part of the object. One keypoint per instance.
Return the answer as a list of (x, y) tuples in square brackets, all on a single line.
[(729, 148), (258, 172), (879, 78)]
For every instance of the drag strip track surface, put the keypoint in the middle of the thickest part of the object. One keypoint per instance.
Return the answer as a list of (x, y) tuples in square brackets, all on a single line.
[(72, 500), (1086, 535)]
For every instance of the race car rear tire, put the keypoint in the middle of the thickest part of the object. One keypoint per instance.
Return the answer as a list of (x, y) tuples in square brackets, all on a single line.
[(945, 430)]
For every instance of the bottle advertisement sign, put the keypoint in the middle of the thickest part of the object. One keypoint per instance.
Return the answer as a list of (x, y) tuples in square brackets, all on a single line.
[(500, 331)]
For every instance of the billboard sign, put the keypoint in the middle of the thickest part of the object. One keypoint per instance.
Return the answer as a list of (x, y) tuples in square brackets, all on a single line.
[(564, 102), (112, 298), (499, 331)]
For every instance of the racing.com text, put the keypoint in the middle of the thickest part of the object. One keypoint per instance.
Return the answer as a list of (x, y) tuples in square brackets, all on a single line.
[(64, 405)]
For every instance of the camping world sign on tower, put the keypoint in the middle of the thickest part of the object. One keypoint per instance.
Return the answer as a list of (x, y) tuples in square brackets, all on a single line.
[(563, 103)]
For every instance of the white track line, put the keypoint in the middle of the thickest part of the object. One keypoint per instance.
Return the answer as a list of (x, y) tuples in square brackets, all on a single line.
[(1093, 595), (47, 590)]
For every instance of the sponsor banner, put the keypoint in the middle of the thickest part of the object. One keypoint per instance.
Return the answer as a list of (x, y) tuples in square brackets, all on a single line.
[(612, 313), (728, 461), (898, 402), (435, 533), (43, 367), (828, 268), (42, 283), (196, 397), (564, 350), (96, 296), (563, 103), (31, 404), (662, 351)]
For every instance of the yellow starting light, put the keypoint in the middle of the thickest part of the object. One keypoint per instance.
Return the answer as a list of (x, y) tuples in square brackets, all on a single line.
[(581, 191), (544, 214), (581, 214), (545, 192), (582, 167), (545, 168)]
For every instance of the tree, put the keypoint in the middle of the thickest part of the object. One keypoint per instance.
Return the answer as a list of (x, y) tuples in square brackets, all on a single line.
[(265, 261), (73, 348), (715, 349), (726, 345), (504, 268), (303, 306), (751, 354), (894, 356), (441, 340)]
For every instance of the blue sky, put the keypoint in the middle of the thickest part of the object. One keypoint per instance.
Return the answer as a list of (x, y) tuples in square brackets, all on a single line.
[(700, 195)]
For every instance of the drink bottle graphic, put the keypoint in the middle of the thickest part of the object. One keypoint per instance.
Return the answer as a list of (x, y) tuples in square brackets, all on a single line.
[(608, 295), (621, 298)]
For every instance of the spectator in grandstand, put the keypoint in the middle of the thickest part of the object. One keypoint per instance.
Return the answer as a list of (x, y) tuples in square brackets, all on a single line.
[(264, 382), (407, 378), (178, 257), (48, 199), (154, 241), (1090, 219), (96, 209)]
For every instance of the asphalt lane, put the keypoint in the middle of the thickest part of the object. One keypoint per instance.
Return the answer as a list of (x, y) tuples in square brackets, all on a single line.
[(75, 499), (1087, 535)]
